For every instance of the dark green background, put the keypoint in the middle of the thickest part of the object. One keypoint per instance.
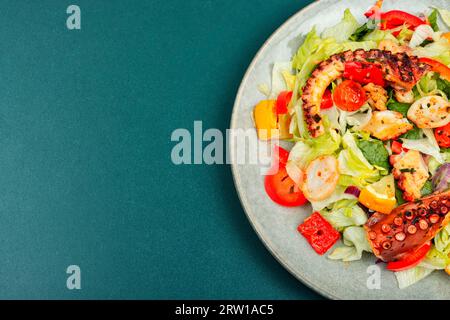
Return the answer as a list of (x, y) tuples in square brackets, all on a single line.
[(86, 176)]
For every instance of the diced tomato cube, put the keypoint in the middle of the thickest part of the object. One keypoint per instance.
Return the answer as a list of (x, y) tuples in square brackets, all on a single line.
[(319, 232)]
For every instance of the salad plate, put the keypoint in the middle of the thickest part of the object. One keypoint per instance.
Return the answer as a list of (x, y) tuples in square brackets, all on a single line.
[(364, 127)]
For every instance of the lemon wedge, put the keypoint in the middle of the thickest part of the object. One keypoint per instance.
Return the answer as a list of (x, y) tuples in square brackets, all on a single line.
[(380, 196)]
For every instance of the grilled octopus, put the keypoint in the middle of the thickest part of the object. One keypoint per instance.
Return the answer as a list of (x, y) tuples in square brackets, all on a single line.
[(408, 226), (400, 70)]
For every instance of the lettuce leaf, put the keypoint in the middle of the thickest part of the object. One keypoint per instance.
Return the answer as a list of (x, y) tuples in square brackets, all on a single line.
[(380, 35), (345, 213), (309, 46), (344, 29), (439, 50), (355, 242), (306, 150), (411, 276), (445, 15), (353, 163), (337, 195), (427, 145)]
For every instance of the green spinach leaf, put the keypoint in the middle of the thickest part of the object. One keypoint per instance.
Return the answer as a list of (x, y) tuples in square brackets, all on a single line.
[(375, 152)]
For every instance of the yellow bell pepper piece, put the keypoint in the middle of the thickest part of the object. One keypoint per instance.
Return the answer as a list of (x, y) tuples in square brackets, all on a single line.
[(266, 120), (284, 122)]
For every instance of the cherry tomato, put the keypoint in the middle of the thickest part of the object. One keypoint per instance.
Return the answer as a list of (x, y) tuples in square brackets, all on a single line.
[(364, 73), (319, 233), (438, 67), (349, 96), (442, 135), (411, 259), (283, 101), (282, 189), (397, 147), (327, 100)]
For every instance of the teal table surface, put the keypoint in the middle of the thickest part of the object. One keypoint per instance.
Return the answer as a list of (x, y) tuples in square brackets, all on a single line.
[(86, 179)]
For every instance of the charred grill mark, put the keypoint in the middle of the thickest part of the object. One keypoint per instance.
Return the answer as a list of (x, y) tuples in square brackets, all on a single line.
[(400, 70)]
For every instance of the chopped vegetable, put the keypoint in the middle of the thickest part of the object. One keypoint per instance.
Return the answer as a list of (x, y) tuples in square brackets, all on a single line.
[(375, 152), (280, 187), (441, 179), (438, 67), (396, 18), (411, 259), (327, 100), (283, 101), (432, 19), (442, 135), (364, 73), (344, 29), (319, 233), (355, 242), (266, 119), (427, 189), (349, 96)]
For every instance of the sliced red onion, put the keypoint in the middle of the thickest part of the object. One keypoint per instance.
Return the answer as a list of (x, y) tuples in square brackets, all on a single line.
[(353, 190), (441, 178)]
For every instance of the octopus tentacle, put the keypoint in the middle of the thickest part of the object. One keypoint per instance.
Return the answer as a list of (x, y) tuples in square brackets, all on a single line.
[(400, 70), (408, 226)]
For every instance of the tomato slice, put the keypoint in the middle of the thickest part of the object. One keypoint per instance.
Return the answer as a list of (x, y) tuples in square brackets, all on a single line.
[(282, 189), (438, 67), (281, 155), (319, 232), (397, 147), (279, 186), (283, 101), (411, 260), (349, 96), (442, 135), (327, 100), (364, 73)]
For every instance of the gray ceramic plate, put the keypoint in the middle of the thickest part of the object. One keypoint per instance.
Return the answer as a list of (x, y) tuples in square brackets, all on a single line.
[(275, 225)]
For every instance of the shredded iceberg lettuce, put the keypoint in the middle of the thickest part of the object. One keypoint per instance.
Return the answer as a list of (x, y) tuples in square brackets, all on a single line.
[(427, 145), (439, 50), (345, 213), (344, 29), (355, 242), (306, 150), (353, 163), (409, 277)]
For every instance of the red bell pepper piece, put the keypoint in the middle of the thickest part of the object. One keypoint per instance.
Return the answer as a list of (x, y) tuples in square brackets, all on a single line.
[(364, 73), (411, 259), (438, 67), (327, 100), (319, 233), (283, 101)]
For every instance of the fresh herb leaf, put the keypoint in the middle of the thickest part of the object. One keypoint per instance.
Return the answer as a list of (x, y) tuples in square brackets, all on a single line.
[(444, 86), (399, 196), (361, 32), (398, 106), (426, 42), (413, 134), (427, 188), (432, 18), (375, 152)]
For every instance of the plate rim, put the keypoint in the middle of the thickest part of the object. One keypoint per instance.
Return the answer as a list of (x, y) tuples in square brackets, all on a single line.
[(236, 177)]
